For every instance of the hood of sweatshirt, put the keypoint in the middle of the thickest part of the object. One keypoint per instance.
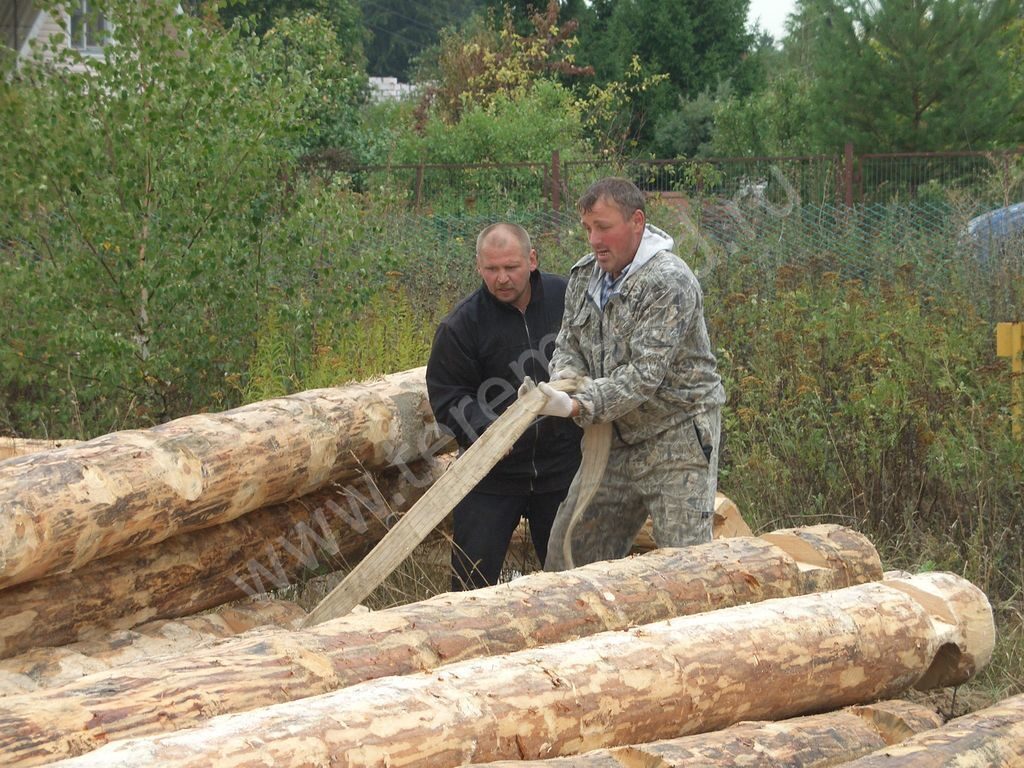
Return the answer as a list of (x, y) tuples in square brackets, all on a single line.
[(653, 242)]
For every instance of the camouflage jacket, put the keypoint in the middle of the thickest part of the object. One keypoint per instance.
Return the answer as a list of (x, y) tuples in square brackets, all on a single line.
[(647, 353)]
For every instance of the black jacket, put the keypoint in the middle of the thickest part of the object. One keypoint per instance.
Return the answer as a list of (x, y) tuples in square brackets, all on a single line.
[(481, 353)]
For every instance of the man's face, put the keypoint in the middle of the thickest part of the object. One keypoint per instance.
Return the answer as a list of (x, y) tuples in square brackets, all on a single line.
[(506, 272), (613, 237)]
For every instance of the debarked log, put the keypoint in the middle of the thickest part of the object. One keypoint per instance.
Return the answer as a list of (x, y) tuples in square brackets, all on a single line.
[(50, 667), (989, 737), (247, 673), (812, 741), (254, 671), (10, 447), (772, 660), (61, 509), (263, 550)]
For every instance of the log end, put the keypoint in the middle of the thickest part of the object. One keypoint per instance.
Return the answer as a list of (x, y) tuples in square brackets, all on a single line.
[(962, 618), (728, 522)]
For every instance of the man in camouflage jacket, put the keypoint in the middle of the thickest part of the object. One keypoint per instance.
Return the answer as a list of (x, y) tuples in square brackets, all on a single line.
[(634, 334)]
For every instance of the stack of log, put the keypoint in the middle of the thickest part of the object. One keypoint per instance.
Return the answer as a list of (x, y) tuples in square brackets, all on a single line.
[(206, 509), (789, 648)]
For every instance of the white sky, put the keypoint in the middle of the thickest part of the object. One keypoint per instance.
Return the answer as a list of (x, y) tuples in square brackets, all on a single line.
[(772, 14)]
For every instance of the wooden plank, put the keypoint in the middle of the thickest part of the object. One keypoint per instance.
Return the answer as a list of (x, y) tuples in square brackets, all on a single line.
[(468, 470)]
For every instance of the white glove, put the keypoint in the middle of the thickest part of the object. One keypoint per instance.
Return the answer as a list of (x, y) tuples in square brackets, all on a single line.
[(526, 387), (558, 404)]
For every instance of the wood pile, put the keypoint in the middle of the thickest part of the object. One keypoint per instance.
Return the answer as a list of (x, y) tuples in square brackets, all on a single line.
[(268, 548), (50, 667), (789, 648), (67, 507)]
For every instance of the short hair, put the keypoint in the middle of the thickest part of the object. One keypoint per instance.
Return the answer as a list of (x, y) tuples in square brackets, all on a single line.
[(500, 234), (622, 192)]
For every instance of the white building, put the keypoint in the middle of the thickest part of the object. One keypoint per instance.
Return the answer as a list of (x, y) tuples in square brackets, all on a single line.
[(389, 89), (21, 22)]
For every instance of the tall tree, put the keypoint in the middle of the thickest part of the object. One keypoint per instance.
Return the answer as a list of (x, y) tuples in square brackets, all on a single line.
[(489, 56), (906, 75), (696, 44), (523, 11), (137, 192), (400, 30), (344, 17), (772, 121), (301, 50)]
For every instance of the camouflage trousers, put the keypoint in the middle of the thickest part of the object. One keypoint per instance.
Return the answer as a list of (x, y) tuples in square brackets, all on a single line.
[(671, 478)]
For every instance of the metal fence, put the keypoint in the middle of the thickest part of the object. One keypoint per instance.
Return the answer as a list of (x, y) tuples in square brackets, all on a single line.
[(910, 214), (990, 179)]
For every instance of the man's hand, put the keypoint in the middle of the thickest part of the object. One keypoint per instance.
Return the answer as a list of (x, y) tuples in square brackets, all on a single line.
[(565, 373), (558, 404)]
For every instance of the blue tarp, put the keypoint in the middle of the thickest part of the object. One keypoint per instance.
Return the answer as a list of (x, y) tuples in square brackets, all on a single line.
[(996, 229)]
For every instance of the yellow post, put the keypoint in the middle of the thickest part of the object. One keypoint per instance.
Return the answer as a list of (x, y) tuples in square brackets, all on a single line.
[(1010, 343)]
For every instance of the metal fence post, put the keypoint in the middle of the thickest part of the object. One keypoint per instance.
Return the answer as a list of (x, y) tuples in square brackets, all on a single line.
[(419, 185), (848, 174), (556, 181)]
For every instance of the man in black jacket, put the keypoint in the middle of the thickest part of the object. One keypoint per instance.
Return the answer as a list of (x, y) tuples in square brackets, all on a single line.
[(493, 338)]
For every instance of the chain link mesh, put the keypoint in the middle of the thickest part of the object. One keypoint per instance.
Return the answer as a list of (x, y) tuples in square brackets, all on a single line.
[(915, 219)]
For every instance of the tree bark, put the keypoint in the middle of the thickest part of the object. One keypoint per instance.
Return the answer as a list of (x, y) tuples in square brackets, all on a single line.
[(990, 737), (51, 667), (246, 673), (694, 674), (61, 509), (813, 741), (263, 550), (11, 447)]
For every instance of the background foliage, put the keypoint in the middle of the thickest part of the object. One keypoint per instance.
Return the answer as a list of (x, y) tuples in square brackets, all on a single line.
[(146, 211), (182, 227), (914, 76)]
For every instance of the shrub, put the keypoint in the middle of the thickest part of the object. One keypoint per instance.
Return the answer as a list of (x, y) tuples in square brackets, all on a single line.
[(138, 188), (883, 410)]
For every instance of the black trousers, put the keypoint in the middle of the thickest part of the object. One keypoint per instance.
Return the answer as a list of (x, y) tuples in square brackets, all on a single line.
[(484, 523)]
